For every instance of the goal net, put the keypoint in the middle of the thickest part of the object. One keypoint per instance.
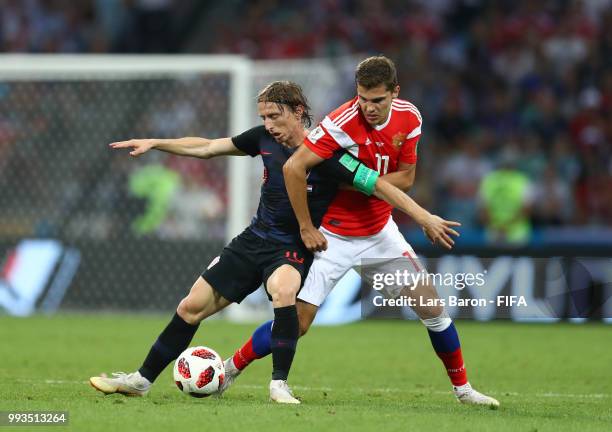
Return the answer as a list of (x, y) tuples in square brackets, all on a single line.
[(125, 233)]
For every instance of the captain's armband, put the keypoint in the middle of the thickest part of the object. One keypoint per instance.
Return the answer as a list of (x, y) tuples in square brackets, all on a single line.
[(344, 168), (365, 179)]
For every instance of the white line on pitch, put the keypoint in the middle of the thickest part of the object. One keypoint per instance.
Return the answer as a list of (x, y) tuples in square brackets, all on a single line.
[(388, 390)]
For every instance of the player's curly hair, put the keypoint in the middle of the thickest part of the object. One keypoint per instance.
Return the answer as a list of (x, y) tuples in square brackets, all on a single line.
[(375, 71), (287, 93)]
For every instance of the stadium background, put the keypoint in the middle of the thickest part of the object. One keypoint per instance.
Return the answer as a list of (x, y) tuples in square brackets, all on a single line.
[(522, 83), (96, 248)]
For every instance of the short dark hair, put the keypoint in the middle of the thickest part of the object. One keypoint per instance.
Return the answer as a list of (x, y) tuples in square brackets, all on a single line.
[(375, 71), (287, 93)]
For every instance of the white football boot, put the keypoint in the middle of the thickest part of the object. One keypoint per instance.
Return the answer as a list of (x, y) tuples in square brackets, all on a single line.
[(467, 395), (231, 373), (281, 393), (132, 384)]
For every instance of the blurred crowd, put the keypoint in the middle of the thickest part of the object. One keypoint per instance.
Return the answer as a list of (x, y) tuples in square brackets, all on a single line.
[(522, 87), (58, 176), (97, 26)]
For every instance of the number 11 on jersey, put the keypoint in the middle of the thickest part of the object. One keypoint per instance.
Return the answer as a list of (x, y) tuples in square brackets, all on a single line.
[(382, 161)]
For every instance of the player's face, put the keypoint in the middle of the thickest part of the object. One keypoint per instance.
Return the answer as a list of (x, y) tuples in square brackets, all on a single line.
[(282, 124), (375, 103)]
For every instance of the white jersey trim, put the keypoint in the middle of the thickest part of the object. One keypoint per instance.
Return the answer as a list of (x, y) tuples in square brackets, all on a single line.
[(348, 112), (384, 125), (347, 119), (341, 137), (401, 105), (415, 132), (354, 150)]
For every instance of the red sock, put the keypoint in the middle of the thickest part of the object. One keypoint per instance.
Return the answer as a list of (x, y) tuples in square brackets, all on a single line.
[(453, 361), (245, 355)]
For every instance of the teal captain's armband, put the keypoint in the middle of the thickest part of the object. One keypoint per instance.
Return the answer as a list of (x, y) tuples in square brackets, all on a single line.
[(365, 179), (349, 162)]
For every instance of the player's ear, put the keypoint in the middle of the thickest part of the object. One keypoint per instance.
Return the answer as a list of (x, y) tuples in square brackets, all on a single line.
[(299, 112), (395, 92)]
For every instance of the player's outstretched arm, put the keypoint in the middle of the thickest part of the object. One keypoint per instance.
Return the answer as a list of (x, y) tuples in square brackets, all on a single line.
[(294, 172), (202, 148), (436, 229), (346, 169)]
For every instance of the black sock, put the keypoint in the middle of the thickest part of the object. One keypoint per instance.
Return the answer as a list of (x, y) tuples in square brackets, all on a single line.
[(171, 342), (285, 333)]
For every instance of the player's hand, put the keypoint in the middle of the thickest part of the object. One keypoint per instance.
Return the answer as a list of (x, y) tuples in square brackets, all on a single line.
[(138, 146), (313, 239), (439, 231)]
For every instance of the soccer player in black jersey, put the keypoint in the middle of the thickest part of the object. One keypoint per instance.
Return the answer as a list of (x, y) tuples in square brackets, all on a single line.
[(270, 250)]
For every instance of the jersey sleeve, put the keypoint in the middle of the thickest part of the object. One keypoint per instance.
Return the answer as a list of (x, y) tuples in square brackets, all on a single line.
[(248, 141), (409, 150), (343, 167), (321, 142)]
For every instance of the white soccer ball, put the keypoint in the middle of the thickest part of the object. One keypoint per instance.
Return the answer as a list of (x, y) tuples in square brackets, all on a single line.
[(199, 371)]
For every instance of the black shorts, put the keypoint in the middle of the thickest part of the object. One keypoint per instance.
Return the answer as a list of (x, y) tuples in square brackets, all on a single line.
[(249, 260)]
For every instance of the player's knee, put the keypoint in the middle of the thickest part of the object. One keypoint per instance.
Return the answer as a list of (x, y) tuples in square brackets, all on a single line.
[(427, 308), (283, 295), (283, 286), (188, 312), (428, 312)]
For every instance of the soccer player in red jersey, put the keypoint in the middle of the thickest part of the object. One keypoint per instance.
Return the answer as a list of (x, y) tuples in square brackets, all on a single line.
[(383, 132)]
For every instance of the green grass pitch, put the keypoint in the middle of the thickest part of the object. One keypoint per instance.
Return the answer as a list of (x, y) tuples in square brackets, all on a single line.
[(369, 376)]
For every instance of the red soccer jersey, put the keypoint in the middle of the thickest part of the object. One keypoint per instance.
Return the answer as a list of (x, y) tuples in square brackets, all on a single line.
[(381, 148)]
